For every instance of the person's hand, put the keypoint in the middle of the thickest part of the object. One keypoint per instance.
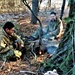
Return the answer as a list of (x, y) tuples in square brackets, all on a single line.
[(17, 53), (21, 46)]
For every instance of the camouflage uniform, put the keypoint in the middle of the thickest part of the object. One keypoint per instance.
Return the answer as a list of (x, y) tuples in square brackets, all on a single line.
[(6, 45), (53, 29)]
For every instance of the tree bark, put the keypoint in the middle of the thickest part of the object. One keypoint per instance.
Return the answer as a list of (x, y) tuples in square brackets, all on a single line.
[(62, 9), (72, 8), (49, 3), (35, 11)]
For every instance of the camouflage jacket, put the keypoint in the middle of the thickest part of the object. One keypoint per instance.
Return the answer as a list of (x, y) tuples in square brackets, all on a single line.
[(6, 41), (53, 27)]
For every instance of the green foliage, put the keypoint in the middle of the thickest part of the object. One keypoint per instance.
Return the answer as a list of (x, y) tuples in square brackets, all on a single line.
[(63, 59), (67, 20), (69, 1)]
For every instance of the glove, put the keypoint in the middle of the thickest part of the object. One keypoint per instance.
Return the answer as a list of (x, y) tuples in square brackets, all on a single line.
[(17, 53)]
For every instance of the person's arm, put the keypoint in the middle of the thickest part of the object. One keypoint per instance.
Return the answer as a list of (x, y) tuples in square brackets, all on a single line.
[(53, 31), (61, 29), (19, 40)]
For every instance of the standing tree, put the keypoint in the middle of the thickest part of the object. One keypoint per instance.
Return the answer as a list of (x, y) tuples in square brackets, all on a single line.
[(62, 9), (49, 3), (35, 11), (72, 8), (64, 58)]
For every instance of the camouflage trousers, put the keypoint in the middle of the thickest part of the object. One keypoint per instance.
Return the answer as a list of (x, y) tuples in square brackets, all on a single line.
[(48, 35), (5, 56), (12, 54)]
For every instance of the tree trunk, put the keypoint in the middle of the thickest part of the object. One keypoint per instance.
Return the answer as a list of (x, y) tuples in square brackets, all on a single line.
[(49, 3), (72, 8), (62, 9), (35, 11)]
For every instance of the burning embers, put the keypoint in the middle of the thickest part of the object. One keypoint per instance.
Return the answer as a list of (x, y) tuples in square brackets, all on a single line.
[(38, 51)]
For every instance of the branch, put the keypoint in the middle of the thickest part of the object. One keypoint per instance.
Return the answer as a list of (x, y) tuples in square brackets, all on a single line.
[(26, 4), (29, 72)]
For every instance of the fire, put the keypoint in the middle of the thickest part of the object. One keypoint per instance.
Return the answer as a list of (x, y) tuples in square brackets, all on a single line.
[(40, 52), (41, 57)]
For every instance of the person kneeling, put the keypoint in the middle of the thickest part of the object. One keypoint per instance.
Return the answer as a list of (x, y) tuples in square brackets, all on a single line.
[(10, 43)]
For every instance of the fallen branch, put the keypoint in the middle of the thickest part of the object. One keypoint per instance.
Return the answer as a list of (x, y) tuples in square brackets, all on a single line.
[(3, 64), (28, 72)]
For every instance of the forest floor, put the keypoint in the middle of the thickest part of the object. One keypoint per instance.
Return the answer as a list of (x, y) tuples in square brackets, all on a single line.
[(21, 67)]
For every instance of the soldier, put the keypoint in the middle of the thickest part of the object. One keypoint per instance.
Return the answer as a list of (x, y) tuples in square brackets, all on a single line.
[(54, 29), (10, 42)]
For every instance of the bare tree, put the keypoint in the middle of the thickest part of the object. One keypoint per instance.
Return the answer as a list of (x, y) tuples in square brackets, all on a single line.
[(49, 3), (62, 9), (72, 8), (35, 10)]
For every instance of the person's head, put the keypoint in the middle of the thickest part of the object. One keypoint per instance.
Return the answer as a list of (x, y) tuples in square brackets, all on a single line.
[(53, 15), (8, 27)]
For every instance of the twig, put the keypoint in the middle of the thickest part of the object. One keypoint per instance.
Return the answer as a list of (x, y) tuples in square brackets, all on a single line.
[(3, 64), (27, 72), (69, 71), (35, 57)]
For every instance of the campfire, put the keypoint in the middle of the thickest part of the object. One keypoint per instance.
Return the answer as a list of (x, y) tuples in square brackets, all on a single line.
[(40, 52)]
